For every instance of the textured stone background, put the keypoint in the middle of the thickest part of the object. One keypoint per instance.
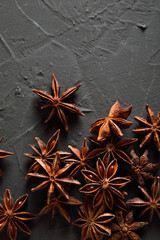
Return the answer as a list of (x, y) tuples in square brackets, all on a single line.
[(111, 46)]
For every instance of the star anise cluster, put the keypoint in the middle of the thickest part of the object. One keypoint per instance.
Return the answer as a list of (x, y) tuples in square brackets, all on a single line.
[(105, 188), (104, 169)]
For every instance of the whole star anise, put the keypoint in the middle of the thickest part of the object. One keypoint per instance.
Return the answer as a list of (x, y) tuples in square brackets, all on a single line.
[(125, 227), (60, 203), (11, 218), (81, 158), (45, 152), (53, 178), (113, 123), (140, 168), (104, 184), (152, 202), (57, 103), (150, 128), (4, 154), (112, 148), (94, 222)]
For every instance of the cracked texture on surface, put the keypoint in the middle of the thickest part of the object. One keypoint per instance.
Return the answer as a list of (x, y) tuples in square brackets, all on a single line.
[(111, 47)]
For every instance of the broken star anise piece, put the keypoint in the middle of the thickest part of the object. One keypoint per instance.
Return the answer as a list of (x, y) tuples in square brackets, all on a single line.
[(81, 159), (150, 128), (60, 203), (104, 184), (152, 202), (11, 218), (45, 152), (125, 227), (4, 154), (53, 178), (140, 168), (94, 222), (57, 103), (113, 123), (112, 148)]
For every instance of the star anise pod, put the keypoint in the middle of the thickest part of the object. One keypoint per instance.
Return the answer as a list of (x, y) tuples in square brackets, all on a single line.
[(57, 103), (152, 202), (11, 218), (53, 177), (112, 148), (45, 152), (94, 222), (60, 203), (125, 227), (113, 123), (104, 184), (150, 128), (140, 168), (4, 154), (81, 158)]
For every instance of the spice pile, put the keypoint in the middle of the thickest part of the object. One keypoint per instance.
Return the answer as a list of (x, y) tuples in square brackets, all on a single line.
[(104, 170)]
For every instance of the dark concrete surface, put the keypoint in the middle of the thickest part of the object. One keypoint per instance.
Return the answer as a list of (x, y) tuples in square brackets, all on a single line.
[(111, 46)]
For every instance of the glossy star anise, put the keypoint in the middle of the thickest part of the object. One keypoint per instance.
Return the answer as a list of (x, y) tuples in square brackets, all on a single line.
[(150, 128), (94, 222), (11, 218), (57, 103), (104, 184), (112, 125), (60, 203), (4, 154), (81, 158), (45, 152), (112, 148), (152, 202), (140, 168), (125, 228), (53, 177)]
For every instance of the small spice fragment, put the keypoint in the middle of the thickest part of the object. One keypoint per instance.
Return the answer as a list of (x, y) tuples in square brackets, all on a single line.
[(11, 218), (104, 184), (4, 154), (45, 152), (60, 203), (152, 202), (94, 222), (81, 158), (125, 227), (112, 125), (113, 148), (150, 128), (140, 168), (57, 103), (53, 178)]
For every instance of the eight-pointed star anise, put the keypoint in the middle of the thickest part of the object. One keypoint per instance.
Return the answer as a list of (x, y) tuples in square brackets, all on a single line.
[(53, 178), (140, 168), (81, 158), (4, 154), (113, 123), (125, 228), (11, 218), (152, 202), (57, 103), (60, 203), (112, 148), (104, 184), (94, 222), (45, 152), (150, 128)]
